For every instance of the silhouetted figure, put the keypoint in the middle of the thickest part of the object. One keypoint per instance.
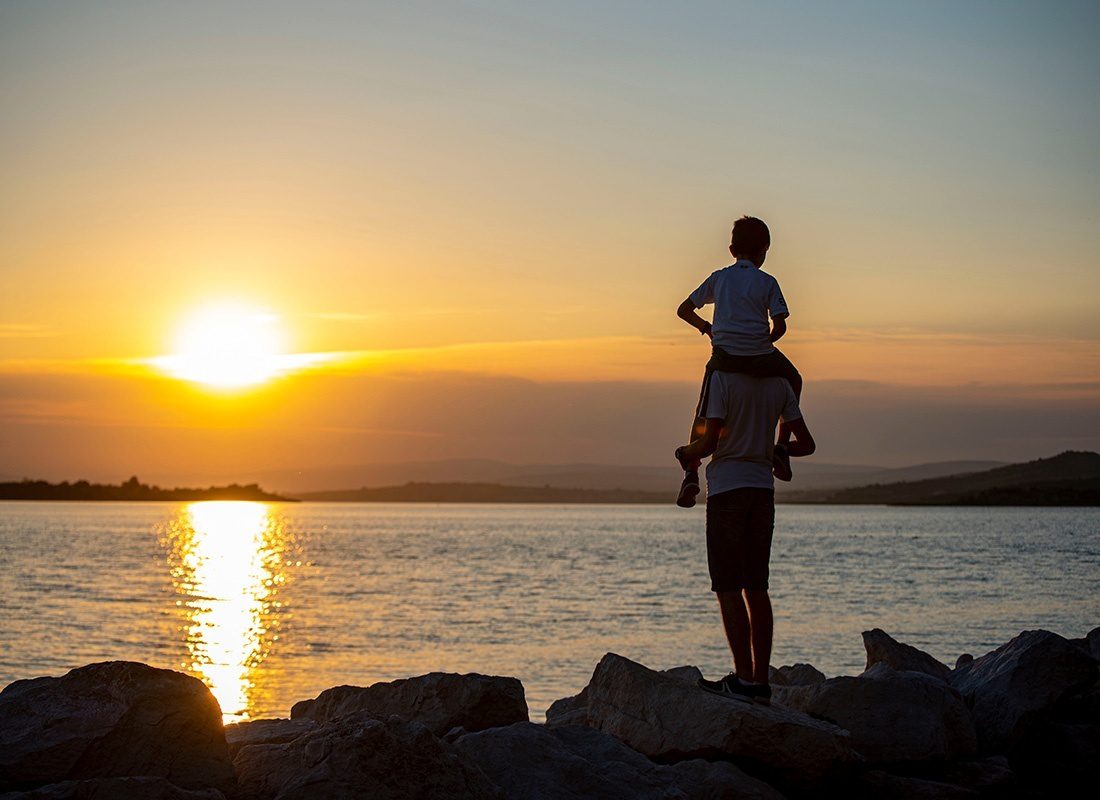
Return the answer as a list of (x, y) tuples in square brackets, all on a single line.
[(745, 298), (740, 415)]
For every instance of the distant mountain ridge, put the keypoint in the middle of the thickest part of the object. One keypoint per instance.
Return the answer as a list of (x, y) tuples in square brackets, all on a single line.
[(485, 493), (1071, 478), (810, 475)]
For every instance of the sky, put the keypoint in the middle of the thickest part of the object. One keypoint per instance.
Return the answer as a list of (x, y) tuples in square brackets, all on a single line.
[(485, 214)]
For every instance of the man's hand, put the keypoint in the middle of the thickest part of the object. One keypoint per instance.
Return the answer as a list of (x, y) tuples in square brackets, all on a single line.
[(688, 464)]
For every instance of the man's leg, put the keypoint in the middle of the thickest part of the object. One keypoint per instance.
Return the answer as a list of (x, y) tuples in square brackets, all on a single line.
[(761, 627), (735, 621)]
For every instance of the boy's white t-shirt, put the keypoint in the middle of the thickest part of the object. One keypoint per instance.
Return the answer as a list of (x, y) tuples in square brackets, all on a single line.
[(749, 408), (744, 298)]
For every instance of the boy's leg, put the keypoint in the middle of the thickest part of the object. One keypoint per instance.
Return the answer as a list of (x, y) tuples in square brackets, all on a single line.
[(690, 487)]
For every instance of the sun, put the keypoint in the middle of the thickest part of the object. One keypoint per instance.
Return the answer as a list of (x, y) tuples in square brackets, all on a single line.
[(228, 346)]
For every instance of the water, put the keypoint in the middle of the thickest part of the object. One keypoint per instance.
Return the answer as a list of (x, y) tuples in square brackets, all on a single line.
[(270, 603)]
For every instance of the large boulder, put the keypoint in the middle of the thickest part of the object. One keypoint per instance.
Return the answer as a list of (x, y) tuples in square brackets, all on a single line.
[(439, 700), (877, 784), (795, 675), (1017, 686), (571, 762), (147, 788), (568, 710), (992, 775), (668, 719), (1093, 642), (892, 716), (265, 731), (110, 720), (882, 648), (574, 710), (360, 755)]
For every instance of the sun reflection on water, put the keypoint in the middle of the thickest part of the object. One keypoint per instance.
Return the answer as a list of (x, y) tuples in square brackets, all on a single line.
[(228, 562)]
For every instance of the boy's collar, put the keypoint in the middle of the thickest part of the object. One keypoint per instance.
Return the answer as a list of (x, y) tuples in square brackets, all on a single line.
[(744, 263)]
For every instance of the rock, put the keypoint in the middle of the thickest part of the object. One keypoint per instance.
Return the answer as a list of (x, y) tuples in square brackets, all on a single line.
[(571, 762), (568, 710), (878, 784), (687, 674), (884, 649), (439, 700), (1017, 686), (111, 720), (892, 716), (669, 720), (992, 775), (795, 675), (1061, 754), (360, 755), (265, 731), (144, 788), (963, 660), (1093, 640)]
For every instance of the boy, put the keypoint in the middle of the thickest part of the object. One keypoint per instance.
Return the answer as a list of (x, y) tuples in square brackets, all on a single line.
[(744, 298)]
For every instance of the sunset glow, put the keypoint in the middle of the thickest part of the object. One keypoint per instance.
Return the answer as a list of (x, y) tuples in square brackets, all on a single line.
[(228, 347)]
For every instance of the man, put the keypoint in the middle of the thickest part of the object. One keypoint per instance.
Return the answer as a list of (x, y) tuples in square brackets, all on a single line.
[(741, 416)]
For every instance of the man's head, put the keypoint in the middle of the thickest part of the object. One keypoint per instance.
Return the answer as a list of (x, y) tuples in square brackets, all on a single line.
[(750, 240)]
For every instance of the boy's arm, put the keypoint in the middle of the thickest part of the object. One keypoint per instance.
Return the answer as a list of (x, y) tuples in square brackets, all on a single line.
[(686, 312)]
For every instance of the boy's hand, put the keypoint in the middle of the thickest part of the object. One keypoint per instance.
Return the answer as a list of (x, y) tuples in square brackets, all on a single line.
[(705, 330)]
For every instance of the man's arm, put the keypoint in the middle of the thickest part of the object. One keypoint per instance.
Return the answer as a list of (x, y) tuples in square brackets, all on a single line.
[(702, 447), (779, 327), (803, 443), (686, 312)]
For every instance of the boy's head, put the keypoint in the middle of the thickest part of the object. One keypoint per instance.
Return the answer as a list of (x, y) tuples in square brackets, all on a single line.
[(750, 239)]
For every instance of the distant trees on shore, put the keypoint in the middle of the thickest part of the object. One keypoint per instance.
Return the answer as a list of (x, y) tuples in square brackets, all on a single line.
[(130, 490)]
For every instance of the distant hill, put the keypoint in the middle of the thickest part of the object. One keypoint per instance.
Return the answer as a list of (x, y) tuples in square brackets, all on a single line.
[(810, 475), (131, 490), (485, 493), (1071, 478)]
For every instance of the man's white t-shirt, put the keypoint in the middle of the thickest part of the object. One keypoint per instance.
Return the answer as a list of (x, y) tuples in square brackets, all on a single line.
[(744, 298), (749, 408)]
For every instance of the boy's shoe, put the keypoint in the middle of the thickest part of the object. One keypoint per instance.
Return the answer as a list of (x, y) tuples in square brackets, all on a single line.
[(688, 490), (736, 689), (781, 463)]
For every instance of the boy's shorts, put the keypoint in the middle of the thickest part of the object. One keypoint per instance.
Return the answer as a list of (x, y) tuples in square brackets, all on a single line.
[(768, 365), (739, 538)]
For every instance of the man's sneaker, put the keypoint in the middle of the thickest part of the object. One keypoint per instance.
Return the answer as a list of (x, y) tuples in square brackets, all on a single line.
[(688, 490), (781, 463), (736, 689)]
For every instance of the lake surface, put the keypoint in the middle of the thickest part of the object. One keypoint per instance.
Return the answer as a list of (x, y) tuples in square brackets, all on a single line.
[(271, 603)]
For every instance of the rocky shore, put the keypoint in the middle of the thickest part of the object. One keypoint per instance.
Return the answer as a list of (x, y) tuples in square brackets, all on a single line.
[(1022, 721)]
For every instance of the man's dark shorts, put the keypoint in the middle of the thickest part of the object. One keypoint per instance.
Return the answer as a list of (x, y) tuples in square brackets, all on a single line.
[(739, 538)]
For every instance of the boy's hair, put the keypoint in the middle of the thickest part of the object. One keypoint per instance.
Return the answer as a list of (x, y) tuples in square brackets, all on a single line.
[(750, 235)]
